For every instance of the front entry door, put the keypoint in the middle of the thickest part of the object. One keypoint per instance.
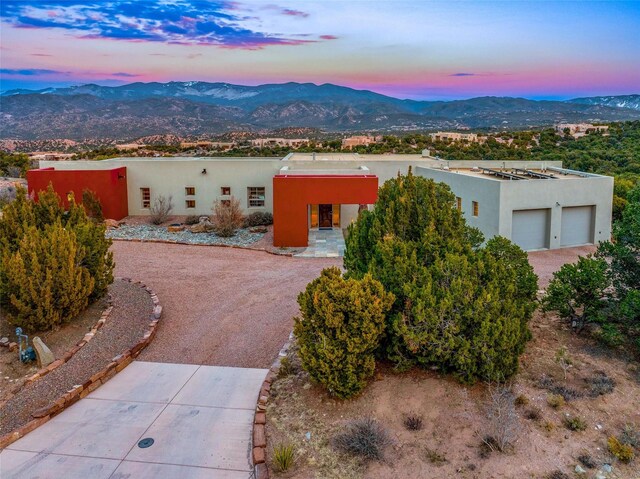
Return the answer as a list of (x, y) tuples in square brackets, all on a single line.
[(325, 215)]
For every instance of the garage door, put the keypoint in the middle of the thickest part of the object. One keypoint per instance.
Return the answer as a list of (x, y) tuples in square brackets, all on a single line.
[(530, 229), (577, 226)]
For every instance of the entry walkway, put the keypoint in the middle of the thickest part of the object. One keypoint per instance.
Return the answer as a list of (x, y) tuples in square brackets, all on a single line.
[(324, 244), (199, 417)]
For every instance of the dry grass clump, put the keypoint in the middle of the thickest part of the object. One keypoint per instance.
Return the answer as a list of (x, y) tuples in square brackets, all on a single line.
[(600, 384), (575, 423), (227, 217), (365, 438), (587, 461), (533, 414), (557, 474), (503, 425), (623, 452), (435, 457), (556, 401), (161, 209), (413, 422)]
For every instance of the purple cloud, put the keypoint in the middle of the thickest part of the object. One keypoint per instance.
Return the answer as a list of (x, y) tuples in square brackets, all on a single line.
[(462, 75), (183, 22), (124, 75), (30, 72)]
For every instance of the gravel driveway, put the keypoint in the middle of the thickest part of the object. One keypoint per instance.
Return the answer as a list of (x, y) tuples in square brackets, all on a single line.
[(222, 306)]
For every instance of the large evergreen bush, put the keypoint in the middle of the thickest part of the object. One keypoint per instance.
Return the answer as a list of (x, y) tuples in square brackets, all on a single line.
[(37, 221), (340, 328), (457, 306)]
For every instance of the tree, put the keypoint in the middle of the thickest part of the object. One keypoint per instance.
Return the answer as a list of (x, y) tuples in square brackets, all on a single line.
[(92, 205), (577, 291), (457, 306), (46, 284), (23, 215), (340, 328)]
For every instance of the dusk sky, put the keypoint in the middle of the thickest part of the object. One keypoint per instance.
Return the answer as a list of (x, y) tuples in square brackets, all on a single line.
[(413, 49)]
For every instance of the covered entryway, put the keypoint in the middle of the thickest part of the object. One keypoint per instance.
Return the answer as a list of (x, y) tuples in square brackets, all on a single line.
[(577, 226), (324, 216), (530, 229)]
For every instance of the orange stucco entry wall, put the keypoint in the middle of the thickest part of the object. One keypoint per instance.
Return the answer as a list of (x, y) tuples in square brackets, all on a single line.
[(110, 186), (293, 193)]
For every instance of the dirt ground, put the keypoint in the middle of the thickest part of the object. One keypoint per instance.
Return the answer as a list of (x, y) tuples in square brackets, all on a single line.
[(60, 340), (222, 306), (454, 418)]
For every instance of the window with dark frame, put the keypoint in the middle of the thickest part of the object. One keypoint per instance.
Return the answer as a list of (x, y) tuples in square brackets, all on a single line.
[(255, 196), (225, 190), (189, 190), (190, 203), (145, 194), (459, 203), (476, 208)]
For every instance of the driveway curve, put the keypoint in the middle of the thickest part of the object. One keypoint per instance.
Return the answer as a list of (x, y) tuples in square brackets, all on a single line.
[(222, 306)]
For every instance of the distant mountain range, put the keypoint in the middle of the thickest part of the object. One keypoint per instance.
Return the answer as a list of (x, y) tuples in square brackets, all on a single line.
[(200, 108)]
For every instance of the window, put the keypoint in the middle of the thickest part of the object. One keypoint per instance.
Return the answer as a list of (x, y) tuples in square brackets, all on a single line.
[(475, 208), (190, 203), (225, 190), (255, 196), (145, 194), (190, 190), (459, 203)]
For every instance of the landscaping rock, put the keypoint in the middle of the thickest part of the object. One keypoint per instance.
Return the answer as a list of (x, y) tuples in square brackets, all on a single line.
[(175, 228), (4, 342), (13, 346), (580, 470), (111, 223), (205, 236), (43, 353)]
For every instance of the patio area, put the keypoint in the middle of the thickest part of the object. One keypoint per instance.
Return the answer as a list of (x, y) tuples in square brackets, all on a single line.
[(323, 243)]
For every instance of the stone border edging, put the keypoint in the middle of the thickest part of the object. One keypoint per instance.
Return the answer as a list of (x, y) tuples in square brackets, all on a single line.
[(259, 436), (155, 240), (73, 395)]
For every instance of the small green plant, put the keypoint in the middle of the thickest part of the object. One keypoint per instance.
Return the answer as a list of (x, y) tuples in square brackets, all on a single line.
[(556, 401), (435, 457), (563, 360), (365, 438), (521, 400), (623, 452), (283, 457), (413, 422), (575, 423)]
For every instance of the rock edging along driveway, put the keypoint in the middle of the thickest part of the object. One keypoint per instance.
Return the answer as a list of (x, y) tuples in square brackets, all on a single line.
[(260, 419), (117, 364), (250, 248)]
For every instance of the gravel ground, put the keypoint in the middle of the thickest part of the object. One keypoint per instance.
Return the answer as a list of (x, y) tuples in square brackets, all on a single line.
[(127, 323), (545, 263), (152, 232), (221, 306)]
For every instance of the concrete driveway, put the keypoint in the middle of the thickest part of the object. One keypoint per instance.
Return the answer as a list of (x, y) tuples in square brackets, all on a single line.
[(199, 417)]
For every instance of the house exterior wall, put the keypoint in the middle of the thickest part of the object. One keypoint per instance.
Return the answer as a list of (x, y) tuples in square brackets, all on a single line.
[(294, 193), (110, 186)]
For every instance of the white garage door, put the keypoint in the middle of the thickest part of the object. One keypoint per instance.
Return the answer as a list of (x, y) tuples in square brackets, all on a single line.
[(577, 226), (530, 229)]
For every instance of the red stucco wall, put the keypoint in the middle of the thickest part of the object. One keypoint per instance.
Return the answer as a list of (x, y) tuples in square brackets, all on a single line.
[(292, 195), (109, 185)]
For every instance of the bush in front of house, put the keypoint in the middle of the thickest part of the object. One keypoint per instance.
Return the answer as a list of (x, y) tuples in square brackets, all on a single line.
[(258, 218), (458, 306), (227, 217), (339, 330), (39, 278)]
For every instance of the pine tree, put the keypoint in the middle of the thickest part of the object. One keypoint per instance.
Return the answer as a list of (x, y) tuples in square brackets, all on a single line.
[(339, 330), (47, 285)]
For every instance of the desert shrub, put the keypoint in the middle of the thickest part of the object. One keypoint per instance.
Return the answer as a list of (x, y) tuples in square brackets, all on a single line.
[(459, 307), (283, 457), (556, 401), (630, 435), (227, 217), (14, 165), (413, 422), (161, 209), (258, 218), (521, 400), (503, 425), (192, 220), (7, 195), (587, 461), (92, 205), (623, 452), (549, 426), (339, 330), (23, 215), (567, 393), (365, 438), (46, 284), (575, 423), (533, 414), (557, 474), (434, 457), (600, 384)]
